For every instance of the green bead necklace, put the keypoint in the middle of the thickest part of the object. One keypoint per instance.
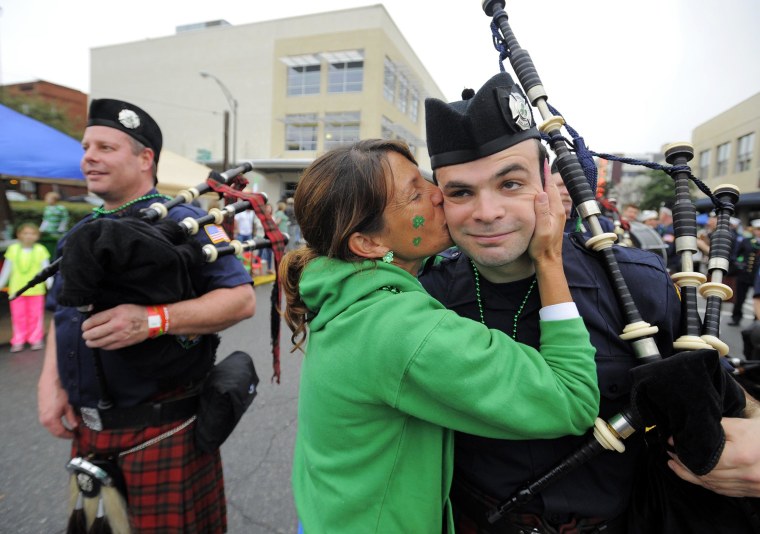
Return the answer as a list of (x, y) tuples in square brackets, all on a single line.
[(99, 211), (480, 301)]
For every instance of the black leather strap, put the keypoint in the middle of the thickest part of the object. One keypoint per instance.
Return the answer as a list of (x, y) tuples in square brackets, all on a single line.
[(149, 414)]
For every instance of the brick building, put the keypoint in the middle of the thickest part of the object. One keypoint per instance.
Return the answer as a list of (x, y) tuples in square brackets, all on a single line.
[(72, 103)]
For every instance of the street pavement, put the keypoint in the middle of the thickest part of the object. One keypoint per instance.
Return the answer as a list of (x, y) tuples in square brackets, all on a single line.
[(256, 457)]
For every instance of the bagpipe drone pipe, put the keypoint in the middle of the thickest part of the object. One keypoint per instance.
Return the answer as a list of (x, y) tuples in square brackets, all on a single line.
[(684, 395), (149, 258)]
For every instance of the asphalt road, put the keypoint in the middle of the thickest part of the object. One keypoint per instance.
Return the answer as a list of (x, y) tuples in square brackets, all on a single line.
[(256, 457)]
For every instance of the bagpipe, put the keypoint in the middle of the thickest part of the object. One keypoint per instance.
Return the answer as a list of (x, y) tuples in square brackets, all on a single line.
[(134, 254), (690, 414)]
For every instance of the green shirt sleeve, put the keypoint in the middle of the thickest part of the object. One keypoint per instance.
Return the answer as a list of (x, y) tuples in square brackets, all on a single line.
[(469, 378)]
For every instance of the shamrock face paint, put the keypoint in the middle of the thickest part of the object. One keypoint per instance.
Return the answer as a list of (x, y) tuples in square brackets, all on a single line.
[(417, 221)]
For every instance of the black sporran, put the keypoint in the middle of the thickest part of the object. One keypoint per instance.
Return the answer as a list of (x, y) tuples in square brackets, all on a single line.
[(228, 391)]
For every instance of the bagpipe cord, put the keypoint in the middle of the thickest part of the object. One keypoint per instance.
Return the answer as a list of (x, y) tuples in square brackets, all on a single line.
[(273, 234)]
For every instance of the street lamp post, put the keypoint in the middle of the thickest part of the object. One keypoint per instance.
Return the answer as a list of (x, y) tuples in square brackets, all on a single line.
[(233, 107)]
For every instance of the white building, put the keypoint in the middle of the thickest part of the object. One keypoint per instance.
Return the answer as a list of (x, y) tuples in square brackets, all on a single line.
[(293, 88), (727, 151)]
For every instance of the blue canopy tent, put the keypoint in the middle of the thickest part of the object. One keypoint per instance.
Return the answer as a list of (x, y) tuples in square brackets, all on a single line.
[(31, 149)]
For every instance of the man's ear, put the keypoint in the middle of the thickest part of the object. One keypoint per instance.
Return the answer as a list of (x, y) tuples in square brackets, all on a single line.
[(365, 246), (147, 157)]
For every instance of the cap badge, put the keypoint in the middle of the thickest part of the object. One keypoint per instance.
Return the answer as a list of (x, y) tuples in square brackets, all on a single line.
[(520, 110), (129, 119)]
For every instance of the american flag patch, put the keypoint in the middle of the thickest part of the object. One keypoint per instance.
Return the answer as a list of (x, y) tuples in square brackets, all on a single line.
[(216, 233)]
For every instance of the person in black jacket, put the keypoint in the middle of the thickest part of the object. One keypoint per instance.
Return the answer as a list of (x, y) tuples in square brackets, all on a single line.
[(490, 278), (746, 267)]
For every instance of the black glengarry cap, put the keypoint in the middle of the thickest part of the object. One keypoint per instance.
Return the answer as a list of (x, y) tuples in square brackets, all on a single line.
[(130, 119), (497, 117)]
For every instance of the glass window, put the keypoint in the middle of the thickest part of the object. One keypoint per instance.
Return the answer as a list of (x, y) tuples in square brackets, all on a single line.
[(301, 132), (389, 80), (290, 189), (724, 151), (704, 164), (414, 105), (303, 80), (341, 129), (386, 129), (403, 93), (744, 148), (345, 77), (389, 130)]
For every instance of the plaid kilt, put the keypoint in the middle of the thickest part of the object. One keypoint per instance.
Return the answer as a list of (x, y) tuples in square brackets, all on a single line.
[(171, 485)]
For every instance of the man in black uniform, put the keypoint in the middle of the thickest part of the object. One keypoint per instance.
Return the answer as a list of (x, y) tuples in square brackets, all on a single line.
[(746, 263), (486, 155)]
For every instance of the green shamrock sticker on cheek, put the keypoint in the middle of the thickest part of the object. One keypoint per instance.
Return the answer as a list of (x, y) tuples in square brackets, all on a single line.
[(416, 241), (418, 221)]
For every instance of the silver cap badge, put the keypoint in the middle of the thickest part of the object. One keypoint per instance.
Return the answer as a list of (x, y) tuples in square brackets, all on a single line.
[(520, 110), (129, 119)]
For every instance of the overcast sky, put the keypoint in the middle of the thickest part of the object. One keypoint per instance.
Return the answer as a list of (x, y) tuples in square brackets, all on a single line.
[(630, 76)]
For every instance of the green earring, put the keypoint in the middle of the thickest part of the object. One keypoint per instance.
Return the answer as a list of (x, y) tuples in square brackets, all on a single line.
[(388, 257)]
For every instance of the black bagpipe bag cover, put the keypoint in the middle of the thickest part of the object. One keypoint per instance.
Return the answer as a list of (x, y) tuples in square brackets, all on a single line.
[(107, 262), (685, 396)]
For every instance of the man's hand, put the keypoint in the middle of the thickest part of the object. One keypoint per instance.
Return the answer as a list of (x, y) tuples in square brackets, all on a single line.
[(738, 471), (119, 327), (545, 248), (127, 324), (53, 408), (546, 243)]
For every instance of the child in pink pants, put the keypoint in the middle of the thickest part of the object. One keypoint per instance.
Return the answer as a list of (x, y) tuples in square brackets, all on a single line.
[(23, 260)]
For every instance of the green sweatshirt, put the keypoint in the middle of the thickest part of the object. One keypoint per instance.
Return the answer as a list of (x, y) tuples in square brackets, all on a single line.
[(389, 371)]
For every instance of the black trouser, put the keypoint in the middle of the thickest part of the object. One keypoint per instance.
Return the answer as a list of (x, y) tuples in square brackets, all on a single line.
[(742, 288)]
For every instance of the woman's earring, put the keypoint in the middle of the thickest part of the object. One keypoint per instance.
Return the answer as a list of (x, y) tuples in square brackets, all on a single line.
[(388, 257)]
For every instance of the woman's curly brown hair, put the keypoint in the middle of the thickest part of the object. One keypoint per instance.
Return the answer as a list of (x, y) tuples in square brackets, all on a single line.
[(341, 192)]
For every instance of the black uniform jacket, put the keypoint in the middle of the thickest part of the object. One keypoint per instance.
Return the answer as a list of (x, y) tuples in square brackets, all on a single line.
[(600, 488)]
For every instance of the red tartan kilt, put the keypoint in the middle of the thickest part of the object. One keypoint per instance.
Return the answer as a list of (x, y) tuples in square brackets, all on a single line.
[(171, 485)]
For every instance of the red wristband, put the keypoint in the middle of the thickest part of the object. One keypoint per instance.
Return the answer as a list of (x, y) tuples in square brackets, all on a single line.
[(158, 320)]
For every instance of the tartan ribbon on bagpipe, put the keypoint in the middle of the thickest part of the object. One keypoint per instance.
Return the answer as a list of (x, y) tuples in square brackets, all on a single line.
[(232, 193)]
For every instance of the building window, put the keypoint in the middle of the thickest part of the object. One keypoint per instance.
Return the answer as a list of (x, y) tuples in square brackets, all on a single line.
[(724, 151), (341, 129), (304, 74), (303, 80), (414, 105), (386, 129), (704, 164), (744, 152), (403, 93), (289, 189), (389, 130), (345, 72), (301, 132), (389, 80), (345, 77)]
